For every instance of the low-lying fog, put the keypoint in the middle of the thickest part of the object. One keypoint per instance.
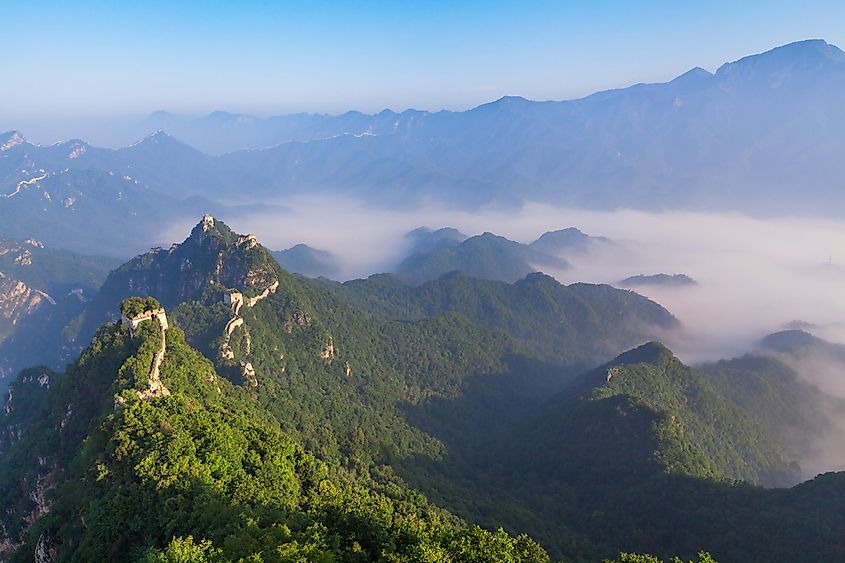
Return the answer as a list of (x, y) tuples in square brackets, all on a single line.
[(754, 275)]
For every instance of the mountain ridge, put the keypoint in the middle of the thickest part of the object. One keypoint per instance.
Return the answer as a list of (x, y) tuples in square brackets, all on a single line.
[(384, 391), (706, 142)]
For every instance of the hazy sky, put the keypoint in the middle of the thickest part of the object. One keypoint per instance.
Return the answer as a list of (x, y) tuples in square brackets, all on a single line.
[(71, 59)]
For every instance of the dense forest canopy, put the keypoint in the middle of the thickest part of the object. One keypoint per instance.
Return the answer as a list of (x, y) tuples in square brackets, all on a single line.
[(276, 418)]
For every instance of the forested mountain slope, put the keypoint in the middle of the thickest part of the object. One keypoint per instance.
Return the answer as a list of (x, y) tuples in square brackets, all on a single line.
[(290, 416), (292, 339), (576, 323), (103, 470), (643, 452), (485, 256), (41, 289)]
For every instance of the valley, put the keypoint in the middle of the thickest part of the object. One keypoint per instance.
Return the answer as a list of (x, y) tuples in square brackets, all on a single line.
[(456, 389), (297, 282)]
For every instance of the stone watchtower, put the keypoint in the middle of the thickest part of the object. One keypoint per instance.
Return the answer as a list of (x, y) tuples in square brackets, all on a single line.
[(133, 321)]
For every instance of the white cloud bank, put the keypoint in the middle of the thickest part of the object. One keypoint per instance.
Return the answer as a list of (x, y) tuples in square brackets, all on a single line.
[(755, 275)]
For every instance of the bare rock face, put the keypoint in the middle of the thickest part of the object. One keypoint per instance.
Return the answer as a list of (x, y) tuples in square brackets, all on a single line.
[(39, 493), (22, 399), (24, 258), (11, 141), (207, 222), (327, 353), (212, 255), (248, 373), (45, 549), (18, 300), (40, 490), (301, 318), (249, 241), (19, 251)]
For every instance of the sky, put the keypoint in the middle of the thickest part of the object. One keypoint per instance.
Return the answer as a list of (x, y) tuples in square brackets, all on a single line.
[(64, 60)]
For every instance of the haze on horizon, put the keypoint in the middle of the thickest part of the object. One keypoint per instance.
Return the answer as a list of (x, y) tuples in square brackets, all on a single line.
[(100, 60)]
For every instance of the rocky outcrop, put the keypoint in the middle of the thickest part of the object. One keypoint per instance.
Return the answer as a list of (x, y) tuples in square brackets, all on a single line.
[(327, 353), (22, 400), (24, 258), (18, 300), (39, 493), (207, 222), (212, 255), (248, 373), (248, 241), (301, 318), (12, 140), (45, 549)]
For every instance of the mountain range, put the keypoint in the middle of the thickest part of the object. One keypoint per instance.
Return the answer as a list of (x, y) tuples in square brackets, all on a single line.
[(221, 407), (41, 289), (212, 400), (430, 254), (760, 135)]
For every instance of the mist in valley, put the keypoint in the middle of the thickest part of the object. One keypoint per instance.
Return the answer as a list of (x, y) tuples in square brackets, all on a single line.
[(754, 276)]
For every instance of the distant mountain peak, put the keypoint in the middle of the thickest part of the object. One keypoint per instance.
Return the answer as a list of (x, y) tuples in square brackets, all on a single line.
[(445, 234), (786, 340), (10, 139), (221, 114), (158, 135), (567, 233), (537, 278), (810, 45), (810, 54), (511, 100), (160, 142), (160, 114), (566, 240), (503, 102), (695, 74), (487, 235), (211, 228), (650, 352), (665, 280), (227, 117)]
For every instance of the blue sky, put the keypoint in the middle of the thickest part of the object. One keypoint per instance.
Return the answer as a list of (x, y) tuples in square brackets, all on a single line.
[(103, 58)]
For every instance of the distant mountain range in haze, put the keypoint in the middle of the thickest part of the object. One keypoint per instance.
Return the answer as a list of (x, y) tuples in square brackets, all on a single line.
[(763, 135), (436, 253)]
